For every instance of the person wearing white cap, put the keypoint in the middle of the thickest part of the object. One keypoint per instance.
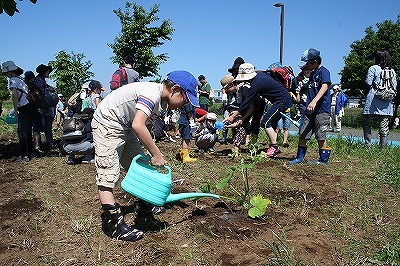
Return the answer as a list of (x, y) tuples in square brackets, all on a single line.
[(337, 108), (262, 84), (206, 136), (22, 109), (119, 131)]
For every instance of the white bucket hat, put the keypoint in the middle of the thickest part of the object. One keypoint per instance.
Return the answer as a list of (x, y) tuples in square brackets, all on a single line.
[(211, 116), (246, 72), (11, 66)]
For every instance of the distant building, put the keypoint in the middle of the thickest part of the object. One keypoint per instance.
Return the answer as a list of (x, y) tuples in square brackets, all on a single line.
[(217, 96), (354, 102)]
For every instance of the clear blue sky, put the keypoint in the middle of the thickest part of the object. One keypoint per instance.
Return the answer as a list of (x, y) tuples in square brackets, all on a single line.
[(208, 35)]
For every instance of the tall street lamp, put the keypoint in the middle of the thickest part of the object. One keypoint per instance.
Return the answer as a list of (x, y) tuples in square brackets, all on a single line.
[(282, 6)]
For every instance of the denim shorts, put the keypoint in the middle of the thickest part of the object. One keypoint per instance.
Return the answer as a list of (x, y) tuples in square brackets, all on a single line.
[(284, 122)]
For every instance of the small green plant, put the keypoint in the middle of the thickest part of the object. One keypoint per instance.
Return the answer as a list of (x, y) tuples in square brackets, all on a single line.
[(390, 255), (241, 190), (284, 255)]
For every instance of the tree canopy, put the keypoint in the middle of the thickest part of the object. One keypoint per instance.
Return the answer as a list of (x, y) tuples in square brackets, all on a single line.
[(139, 36), (70, 72), (386, 37), (10, 6), (4, 92)]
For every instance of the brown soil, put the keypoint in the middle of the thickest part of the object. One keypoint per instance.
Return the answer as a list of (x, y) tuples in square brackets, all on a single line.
[(50, 215)]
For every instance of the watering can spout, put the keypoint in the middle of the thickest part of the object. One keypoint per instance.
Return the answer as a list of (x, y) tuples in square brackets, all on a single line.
[(181, 196)]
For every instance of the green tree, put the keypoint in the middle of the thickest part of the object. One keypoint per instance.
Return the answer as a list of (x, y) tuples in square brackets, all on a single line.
[(4, 92), (139, 36), (10, 6), (70, 72), (386, 37)]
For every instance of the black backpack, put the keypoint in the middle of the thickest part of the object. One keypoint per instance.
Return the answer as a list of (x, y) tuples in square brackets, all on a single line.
[(73, 128), (35, 95)]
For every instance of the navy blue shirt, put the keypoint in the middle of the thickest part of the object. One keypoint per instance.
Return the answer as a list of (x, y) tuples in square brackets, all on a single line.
[(318, 77), (267, 87)]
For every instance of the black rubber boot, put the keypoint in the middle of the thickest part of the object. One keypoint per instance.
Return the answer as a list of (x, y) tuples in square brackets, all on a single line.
[(114, 225), (144, 208)]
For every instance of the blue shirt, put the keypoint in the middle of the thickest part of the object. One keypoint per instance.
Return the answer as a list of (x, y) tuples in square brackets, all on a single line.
[(318, 77), (185, 111), (267, 87)]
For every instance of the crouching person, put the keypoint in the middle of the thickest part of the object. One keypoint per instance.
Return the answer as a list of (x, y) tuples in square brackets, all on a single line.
[(77, 138), (206, 136), (119, 130)]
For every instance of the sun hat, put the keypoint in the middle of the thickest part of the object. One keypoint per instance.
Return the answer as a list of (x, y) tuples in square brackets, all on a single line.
[(226, 80), (187, 82), (11, 66), (238, 61), (246, 72), (41, 69), (60, 95), (211, 116), (309, 54)]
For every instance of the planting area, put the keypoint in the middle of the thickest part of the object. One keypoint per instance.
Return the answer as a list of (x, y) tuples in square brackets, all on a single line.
[(339, 214)]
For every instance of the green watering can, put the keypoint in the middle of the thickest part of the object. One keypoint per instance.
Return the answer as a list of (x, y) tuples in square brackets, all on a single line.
[(148, 184)]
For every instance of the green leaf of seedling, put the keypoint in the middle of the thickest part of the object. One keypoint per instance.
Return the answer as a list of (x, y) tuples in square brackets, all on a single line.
[(260, 205), (223, 183)]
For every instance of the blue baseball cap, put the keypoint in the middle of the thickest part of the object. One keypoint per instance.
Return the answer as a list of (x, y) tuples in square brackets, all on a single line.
[(187, 82), (309, 54)]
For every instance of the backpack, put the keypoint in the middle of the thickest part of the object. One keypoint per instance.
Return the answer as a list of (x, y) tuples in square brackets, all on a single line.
[(118, 79), (35, 95), (284, 75), (73, 128), (50, 97), (386, 90)]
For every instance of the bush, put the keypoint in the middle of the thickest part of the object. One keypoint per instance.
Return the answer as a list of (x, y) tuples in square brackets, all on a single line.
[(215, 108), (352, 117)]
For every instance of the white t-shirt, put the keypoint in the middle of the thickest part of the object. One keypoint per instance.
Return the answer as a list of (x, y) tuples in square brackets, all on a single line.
[(92, 100), (19, 84), (117, 110)]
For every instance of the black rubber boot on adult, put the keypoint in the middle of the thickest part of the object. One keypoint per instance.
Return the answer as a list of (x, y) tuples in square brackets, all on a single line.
[(382, 141), (114, 225)]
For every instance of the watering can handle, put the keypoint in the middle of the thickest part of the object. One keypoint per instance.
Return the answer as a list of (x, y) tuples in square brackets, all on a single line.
[(148, 159)]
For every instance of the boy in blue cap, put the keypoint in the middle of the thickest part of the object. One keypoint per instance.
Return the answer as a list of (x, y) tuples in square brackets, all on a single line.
[(317, 116), (119, 130)]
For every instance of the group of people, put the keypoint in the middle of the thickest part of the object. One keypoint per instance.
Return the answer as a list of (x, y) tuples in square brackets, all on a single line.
[(119, 123), (32, 118), (36, 113)]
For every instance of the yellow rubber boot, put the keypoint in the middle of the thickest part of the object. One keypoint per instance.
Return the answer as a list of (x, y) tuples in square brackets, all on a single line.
[(184, 153)]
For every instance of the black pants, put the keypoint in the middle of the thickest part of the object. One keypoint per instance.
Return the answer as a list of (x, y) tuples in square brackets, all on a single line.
[(25, 120)]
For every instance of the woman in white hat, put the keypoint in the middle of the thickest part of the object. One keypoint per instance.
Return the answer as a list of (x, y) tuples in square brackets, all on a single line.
[(22, 108)]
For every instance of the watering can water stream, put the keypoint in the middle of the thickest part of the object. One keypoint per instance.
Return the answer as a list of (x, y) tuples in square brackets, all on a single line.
[(147, 183)]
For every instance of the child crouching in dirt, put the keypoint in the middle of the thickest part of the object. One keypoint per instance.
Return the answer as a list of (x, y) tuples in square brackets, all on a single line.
[(119, 130), (206, 136)]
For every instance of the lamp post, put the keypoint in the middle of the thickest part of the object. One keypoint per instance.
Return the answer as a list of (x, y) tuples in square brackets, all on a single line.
[(282, 6)]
